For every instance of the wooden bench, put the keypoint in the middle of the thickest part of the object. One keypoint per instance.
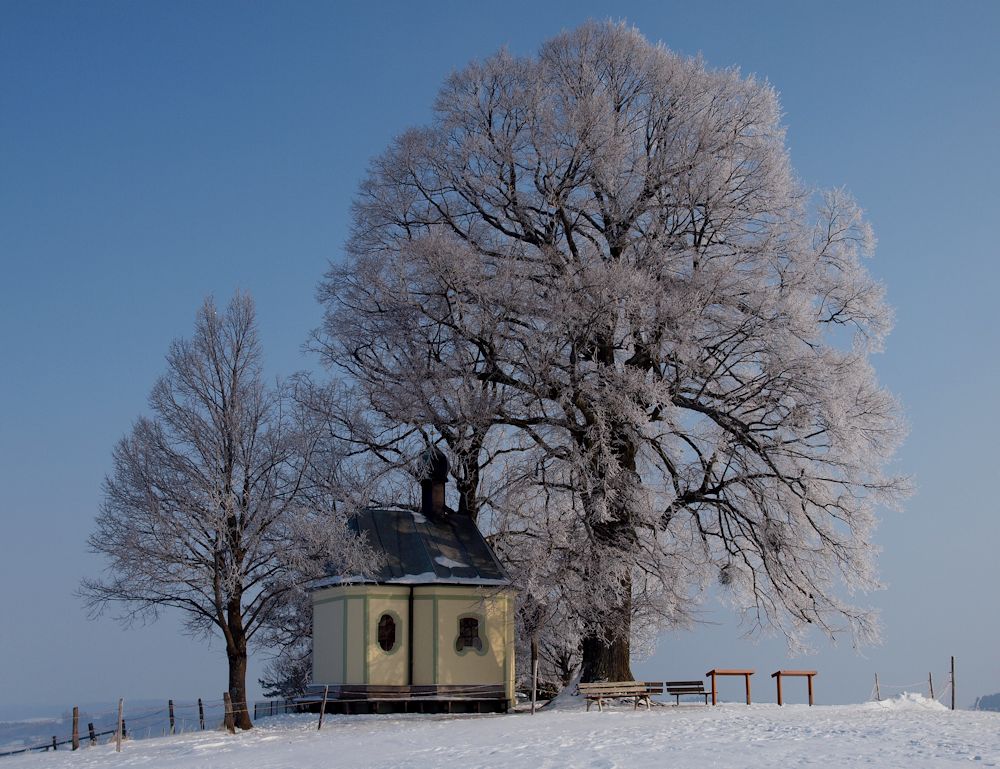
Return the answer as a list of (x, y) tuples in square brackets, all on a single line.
[(612, 690), (677, 689), (654, 687)]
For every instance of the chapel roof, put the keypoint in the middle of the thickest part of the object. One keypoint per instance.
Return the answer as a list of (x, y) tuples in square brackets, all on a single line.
[(420, 548)]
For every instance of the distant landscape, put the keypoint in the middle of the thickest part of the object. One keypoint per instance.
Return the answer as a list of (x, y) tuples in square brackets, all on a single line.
[(988, 702)]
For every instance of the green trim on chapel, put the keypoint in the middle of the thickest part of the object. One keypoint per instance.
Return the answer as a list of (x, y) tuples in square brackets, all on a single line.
[(437, 632)]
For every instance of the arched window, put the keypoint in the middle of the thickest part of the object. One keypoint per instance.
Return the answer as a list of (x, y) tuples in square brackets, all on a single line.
[(386, 632), (468, 634)]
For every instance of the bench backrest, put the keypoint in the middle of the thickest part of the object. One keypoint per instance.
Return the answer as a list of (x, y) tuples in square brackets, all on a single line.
[(685, 687), (609, 688)]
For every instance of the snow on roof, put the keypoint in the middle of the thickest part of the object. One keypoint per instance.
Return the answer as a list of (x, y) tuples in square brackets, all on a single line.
[(449, 563), (427, 578), (422, 548)]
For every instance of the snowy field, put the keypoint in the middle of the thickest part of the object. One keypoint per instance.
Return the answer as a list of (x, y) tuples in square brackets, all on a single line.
[(907, 732)]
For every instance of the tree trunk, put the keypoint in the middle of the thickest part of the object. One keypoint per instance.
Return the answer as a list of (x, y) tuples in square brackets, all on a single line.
[(606, 642), (238, 685), (606, 649), (236, 651), (606, 645), (605, 660)]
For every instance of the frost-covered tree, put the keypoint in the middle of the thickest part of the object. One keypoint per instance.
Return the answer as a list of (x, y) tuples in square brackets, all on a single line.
[(598, 260), (212, 507)]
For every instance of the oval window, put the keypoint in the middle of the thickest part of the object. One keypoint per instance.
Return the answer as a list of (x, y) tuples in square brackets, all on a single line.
[(386, 632)]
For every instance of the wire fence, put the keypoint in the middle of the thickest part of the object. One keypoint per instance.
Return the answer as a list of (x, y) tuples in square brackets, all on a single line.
[(176, 718), (940, 692)]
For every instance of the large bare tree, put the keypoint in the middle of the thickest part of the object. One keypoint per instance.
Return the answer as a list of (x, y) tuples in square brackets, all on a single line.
[(210, 508), (598, 260)]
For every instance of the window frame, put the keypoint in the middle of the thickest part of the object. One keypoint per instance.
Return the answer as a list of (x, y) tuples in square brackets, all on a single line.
[(481, 634), (397, 642)]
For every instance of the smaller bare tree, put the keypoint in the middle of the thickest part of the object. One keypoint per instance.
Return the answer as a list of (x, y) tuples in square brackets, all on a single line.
[(209, 507)]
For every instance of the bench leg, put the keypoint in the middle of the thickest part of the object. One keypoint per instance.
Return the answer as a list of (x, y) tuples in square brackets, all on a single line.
[(588, 706), (647, 702)]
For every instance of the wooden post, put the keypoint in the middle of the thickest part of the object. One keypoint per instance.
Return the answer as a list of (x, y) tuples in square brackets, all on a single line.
[(930, 684), (229, 721), (170, 709), (810, 680), (322, 708), (534, 685), (878, 694), (93, 734), (201, 714), (713, 687), (54, 746), (119, 728), (953, 683), (777, 677), (747, 677), (76, 728), (534, 671)]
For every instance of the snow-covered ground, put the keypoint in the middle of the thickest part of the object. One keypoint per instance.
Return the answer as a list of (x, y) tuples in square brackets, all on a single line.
[(907, 732)]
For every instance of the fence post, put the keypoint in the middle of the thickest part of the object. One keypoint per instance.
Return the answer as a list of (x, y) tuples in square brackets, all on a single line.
[(230, 723), (76, 728), (120, 727), (878, 694), (930, 683), (322, 708), (953, 683), (93, 735), (201, 714), (170, 709), (54, 746), (534, 684)]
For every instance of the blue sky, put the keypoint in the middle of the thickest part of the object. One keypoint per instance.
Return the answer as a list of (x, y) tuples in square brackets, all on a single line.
[(154, 153)]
